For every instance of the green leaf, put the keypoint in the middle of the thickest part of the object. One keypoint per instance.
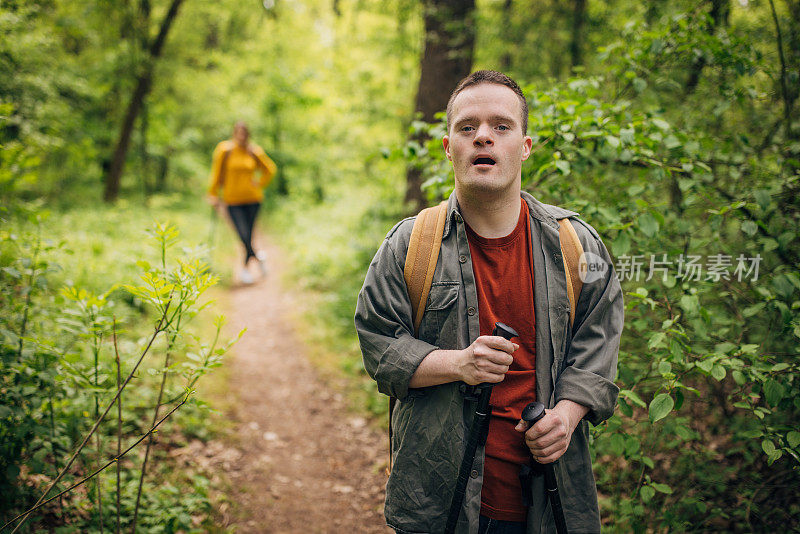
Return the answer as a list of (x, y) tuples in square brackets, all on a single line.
[(633, 397), (763, 198), (617, 444), (678, 400), (660, 407), (661, 123), (683, 433), (773, 391), (624, 407), (689, 303), (718, 372), (671, 142), (646, 460), (752, 434), (749, 227), (656, 340), (613, 141), (635, 190), (768, 446), (632, 446), (661, 488), (664, 367), (621, 244), (774, 456), (754, 309), (706, 365), (648, 224), (738, 377), (793, 439), (563, 166), (647, 493)]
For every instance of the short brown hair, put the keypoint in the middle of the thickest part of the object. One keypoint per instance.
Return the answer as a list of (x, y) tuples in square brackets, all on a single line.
[(489, 76)]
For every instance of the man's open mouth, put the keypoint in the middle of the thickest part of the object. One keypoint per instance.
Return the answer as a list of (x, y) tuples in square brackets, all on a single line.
[(483, 160)]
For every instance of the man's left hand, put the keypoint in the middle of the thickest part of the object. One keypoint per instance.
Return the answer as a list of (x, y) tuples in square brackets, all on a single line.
[(549, 438)]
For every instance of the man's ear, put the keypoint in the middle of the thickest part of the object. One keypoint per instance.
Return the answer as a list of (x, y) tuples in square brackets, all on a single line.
[(446, 145), (527, 143)]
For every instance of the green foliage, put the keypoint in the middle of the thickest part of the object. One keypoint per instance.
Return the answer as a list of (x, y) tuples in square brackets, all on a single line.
[(708, 362), (57, 369), (676, 137)]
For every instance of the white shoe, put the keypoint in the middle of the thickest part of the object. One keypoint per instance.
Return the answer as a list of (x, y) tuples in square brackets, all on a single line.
[(261, 256), (245, 277)]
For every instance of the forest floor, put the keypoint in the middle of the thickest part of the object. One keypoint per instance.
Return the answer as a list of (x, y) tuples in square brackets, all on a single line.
[(295, 459)]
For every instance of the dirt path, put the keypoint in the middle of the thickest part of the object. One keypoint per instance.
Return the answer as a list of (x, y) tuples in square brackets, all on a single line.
[(298, 461)]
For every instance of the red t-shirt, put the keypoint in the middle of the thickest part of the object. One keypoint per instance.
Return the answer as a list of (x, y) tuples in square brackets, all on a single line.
[(504, 278)]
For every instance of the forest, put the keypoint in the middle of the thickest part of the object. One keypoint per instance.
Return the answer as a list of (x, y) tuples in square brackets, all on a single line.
[(672, 127)]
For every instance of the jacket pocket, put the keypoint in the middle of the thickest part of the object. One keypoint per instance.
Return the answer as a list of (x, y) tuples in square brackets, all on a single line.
[(438, 311)]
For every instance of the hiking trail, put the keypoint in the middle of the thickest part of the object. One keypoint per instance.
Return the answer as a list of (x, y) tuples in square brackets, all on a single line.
[(297, 460)]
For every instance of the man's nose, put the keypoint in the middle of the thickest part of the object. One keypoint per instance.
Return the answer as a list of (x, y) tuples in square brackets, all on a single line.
[(483, 136)]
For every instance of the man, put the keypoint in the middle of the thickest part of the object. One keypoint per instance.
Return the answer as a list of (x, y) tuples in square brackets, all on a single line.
[(500, 260)]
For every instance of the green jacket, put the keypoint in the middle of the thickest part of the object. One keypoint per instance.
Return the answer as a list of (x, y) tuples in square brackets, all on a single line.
[(430, 424)]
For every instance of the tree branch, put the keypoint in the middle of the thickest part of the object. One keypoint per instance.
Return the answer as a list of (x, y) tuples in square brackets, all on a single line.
[(96, 471)]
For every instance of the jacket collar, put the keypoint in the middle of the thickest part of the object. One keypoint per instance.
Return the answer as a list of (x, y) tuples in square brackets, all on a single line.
[(546, 213)]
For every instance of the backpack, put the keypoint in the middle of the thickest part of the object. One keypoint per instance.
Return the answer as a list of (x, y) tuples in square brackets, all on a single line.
[(423, 254)]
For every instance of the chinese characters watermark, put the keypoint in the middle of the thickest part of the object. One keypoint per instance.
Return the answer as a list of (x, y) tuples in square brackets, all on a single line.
[(688, 267)]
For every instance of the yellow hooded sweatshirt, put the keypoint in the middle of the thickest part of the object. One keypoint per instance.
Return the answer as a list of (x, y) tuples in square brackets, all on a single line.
[(235, 173)]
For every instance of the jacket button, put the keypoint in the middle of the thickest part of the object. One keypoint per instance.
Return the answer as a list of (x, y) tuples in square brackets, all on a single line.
[(474, 474), (462, 258), (471, 310)]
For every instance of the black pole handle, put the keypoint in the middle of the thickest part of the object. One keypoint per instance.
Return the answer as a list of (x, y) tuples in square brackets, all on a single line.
[(504, 331), (533, 412)]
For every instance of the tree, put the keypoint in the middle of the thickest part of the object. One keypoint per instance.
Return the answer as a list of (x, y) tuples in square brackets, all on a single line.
[(143, 84), (447, 58), (576, 43)]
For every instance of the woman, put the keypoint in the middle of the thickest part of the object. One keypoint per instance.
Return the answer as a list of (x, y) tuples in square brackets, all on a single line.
[(234, 172)]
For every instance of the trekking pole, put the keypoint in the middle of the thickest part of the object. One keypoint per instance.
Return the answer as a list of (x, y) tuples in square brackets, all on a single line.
[(532, 413), (477, 434)]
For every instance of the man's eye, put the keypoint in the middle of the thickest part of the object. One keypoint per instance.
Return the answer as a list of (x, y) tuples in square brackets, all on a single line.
[(467, 128), (503, 127)]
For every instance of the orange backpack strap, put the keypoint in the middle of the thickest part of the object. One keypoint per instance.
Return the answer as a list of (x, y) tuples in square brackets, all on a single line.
[(423, 253), (574, 263)]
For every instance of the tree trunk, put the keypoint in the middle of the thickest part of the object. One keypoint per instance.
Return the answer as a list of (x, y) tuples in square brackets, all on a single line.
[(505, 57), (719, 17), (449, 42), (578, 21), (143, 83)]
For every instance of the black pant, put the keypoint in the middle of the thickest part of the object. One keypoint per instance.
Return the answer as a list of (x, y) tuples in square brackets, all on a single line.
[(244, 217)]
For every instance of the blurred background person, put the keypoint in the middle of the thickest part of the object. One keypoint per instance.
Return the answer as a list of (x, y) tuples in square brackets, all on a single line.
[(234, 185)]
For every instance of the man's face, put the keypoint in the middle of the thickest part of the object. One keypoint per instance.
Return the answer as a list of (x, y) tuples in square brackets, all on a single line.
[(486, 143)]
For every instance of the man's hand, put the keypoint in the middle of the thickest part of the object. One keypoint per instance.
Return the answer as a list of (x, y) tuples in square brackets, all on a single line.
[(486, 360), (549, 438)]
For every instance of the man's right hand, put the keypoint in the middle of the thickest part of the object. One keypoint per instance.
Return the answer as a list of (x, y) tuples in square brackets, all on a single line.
[(485, 361)]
